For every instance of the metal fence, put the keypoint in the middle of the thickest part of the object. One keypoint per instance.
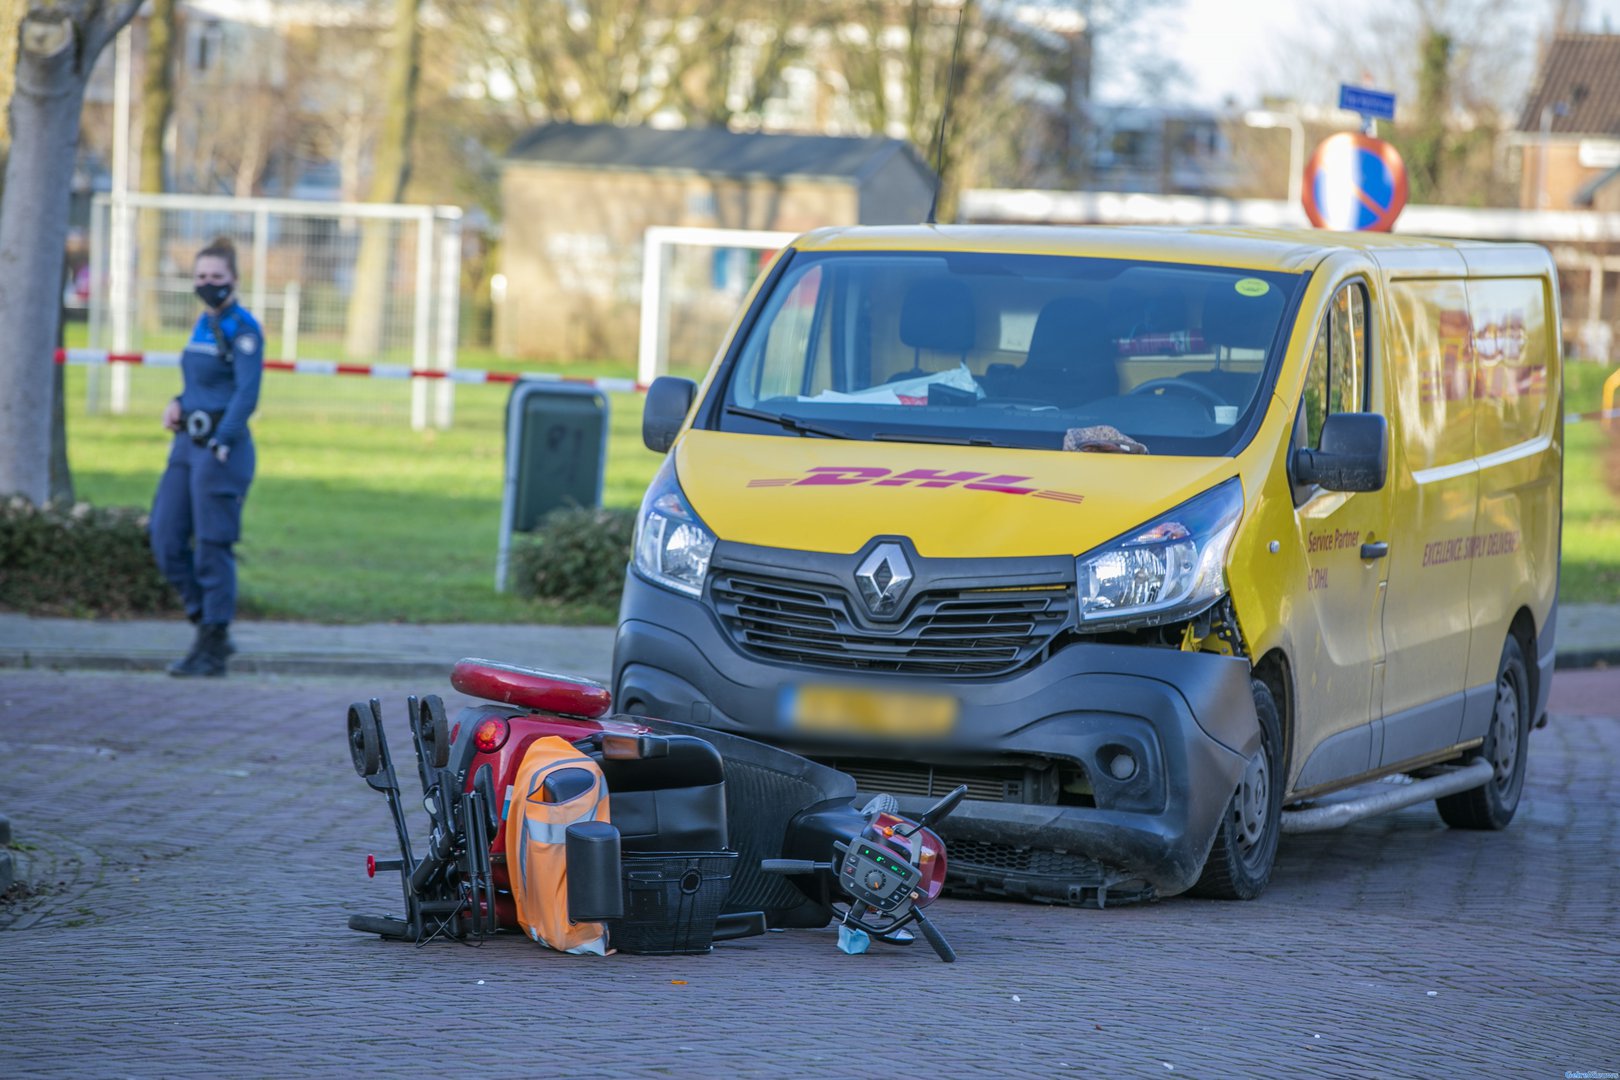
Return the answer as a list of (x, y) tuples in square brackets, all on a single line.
[(350, 282)]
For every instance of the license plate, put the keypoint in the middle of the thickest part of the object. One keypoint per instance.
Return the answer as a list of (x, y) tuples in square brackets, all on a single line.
[(841, 710)]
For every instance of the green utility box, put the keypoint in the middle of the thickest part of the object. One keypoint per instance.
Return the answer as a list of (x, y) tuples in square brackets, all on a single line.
[(556, 456)]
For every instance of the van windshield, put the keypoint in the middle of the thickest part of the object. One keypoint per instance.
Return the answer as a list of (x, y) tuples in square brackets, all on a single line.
[(1037, 351)]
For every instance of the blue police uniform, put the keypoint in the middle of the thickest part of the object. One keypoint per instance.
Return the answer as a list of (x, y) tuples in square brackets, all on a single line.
[(197, 513)]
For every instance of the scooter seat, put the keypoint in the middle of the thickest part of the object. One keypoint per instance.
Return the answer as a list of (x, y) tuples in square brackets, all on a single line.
[(673, 802)]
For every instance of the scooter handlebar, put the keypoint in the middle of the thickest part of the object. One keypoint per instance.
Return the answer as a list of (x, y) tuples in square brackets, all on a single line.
[(935, 938)]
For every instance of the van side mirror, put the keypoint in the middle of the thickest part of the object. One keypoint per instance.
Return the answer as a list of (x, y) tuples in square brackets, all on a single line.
[(1354, 454), (669, 399)]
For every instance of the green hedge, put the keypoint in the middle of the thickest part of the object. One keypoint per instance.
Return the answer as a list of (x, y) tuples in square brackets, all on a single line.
[(576, 555), (78, 560)]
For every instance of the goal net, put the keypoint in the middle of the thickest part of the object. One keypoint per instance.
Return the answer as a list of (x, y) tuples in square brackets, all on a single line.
[(693, 282)]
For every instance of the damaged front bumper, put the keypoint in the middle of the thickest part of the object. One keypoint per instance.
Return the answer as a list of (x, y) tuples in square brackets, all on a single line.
[(1142, 747)]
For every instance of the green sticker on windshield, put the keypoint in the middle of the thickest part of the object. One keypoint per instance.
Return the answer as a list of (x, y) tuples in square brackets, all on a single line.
[(1252, 286)]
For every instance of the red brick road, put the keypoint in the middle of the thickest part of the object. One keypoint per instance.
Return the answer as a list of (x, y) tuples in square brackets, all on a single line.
[(199, 848)]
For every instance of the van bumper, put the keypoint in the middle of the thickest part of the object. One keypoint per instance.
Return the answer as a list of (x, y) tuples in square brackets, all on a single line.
[(1186, 720)]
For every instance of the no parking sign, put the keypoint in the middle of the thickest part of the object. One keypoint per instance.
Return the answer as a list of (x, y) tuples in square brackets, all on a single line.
[(1354, 183)]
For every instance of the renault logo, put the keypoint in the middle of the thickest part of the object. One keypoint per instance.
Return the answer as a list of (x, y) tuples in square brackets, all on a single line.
[(883, 579)]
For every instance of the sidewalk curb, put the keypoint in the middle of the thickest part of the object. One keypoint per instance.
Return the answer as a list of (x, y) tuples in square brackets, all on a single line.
[(252, 664), (1580, 659)]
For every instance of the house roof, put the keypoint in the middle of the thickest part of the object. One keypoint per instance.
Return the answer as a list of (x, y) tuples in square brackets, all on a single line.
[(1580, 79), (709, 151)]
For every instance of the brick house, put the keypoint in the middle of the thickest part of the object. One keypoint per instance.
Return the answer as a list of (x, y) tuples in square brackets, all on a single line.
[(1569, 131), (577, 200)]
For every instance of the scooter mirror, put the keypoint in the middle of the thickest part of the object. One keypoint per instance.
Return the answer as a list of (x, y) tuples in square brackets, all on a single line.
[(942, 809)]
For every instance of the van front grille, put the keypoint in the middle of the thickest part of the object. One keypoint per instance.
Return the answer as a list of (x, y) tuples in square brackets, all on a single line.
[(989, 784), (944, 632)]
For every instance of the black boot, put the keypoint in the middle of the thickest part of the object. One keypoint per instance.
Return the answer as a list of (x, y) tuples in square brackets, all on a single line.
[(208, 656), (196, 620)]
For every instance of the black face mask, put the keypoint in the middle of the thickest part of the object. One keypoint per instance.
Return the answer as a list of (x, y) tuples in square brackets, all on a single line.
[(214, 295)]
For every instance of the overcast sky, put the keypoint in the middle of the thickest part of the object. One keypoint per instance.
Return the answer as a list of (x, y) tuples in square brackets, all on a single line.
[(1241, 49)]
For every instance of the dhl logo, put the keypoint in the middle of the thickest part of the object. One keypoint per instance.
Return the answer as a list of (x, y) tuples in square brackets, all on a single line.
[(847, 475)]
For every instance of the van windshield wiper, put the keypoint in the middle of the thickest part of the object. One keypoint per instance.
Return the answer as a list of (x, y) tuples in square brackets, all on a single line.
[(945, 440), (790, 422)]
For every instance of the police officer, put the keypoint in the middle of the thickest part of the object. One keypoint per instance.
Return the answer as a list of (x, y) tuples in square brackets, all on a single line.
[(197, 513)]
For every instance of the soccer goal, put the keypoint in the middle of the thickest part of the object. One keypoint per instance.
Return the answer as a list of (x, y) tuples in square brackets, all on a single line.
[(693, 281)]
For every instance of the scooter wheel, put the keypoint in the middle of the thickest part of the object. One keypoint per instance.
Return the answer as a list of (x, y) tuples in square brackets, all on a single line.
[(365, 741), (434, 730)]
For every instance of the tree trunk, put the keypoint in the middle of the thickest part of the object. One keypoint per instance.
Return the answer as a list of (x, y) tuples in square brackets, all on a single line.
[(391, 170), (33, 234), (58, 43), (157, 106)]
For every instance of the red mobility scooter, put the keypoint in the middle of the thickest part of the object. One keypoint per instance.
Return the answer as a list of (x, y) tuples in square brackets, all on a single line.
[(712, 836)]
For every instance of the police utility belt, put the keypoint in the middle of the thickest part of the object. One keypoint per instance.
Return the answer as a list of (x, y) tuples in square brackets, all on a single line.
[(200, 425)]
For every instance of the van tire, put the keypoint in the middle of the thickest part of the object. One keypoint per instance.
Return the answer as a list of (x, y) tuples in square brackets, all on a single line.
[(1507, 745), (1239, 867)]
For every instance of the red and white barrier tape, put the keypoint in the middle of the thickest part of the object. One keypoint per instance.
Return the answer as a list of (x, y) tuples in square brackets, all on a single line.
[(458, 375), (373, 371)]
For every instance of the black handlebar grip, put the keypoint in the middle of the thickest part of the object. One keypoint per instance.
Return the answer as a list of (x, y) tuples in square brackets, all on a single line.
[(791, 866), (936, 939)]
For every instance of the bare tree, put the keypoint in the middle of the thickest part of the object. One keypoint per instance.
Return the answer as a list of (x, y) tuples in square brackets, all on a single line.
[(57, 47), (157, 107), (625, 61), (895, 58), (391, 171), (1458, 68)]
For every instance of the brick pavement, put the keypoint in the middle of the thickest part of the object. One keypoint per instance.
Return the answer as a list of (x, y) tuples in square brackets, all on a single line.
[(200, 847)]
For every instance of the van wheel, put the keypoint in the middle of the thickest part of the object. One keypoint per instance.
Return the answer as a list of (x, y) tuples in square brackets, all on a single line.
[(1507, 745), (1239, 864)]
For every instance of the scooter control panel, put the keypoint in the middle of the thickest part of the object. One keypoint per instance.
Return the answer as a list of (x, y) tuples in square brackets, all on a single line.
[(877, 875)]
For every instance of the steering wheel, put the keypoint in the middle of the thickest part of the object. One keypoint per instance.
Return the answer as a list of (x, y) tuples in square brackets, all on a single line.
[(1191, 389)]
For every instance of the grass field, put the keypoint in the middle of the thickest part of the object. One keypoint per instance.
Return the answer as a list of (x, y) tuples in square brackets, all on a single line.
[(354, 517)]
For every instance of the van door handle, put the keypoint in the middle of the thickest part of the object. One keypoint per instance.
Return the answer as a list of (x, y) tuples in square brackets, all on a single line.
[(1376, 550)]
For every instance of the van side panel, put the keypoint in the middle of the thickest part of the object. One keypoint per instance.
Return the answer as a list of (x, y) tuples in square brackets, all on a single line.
[(1514, 547), (1427, 621)]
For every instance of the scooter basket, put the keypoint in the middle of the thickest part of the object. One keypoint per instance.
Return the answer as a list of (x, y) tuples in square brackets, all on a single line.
[(671, 901)]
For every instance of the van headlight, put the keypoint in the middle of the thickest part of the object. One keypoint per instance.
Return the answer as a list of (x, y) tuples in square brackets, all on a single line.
[(1169, 568), (672, 546)]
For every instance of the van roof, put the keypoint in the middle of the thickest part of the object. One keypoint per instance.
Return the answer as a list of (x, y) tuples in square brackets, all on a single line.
[(1288, 250)]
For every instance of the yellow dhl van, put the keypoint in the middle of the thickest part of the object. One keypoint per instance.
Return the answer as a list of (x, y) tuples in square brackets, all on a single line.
[(1154, 538)]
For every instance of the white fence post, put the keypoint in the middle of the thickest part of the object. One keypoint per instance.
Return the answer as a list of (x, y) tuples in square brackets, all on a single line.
[(290, 302), (261, 261), (654, 334), (657, 260), (422, 327), (97, 315), (448, 311)]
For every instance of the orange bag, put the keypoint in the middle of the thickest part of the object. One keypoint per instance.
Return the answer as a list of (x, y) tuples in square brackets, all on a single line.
[(536, 851)]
